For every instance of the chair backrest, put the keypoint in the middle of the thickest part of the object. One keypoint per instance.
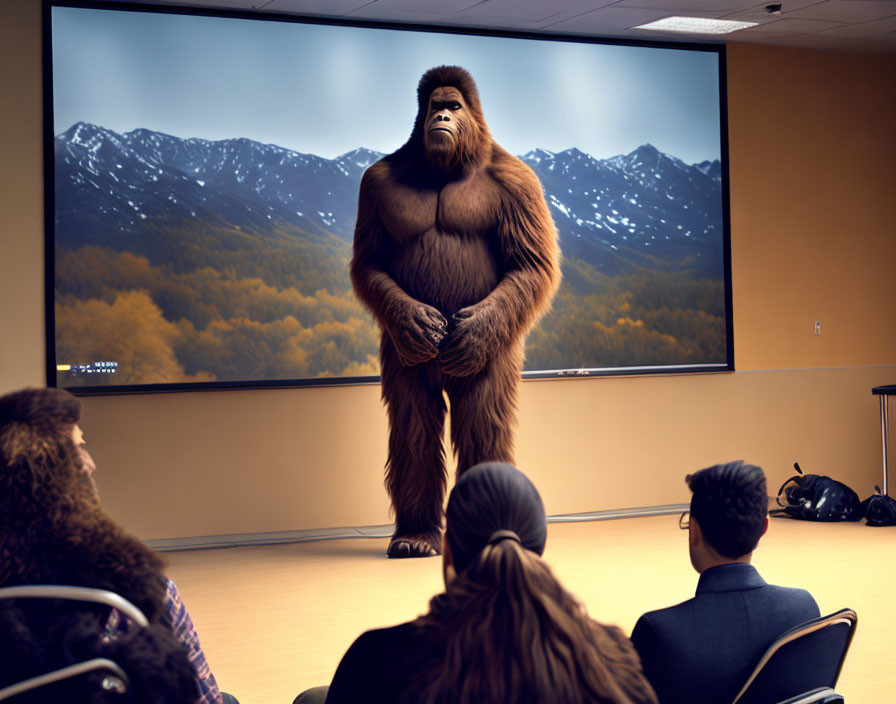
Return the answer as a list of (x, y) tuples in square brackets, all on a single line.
[(115, 680), (806, 657), (64, 591), (821, 695)]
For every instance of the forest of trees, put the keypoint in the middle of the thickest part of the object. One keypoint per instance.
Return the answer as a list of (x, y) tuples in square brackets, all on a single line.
[(649, 318), (164, 326), (290, 315)]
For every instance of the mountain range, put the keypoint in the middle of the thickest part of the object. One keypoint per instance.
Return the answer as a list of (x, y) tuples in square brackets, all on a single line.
[(643, 210)]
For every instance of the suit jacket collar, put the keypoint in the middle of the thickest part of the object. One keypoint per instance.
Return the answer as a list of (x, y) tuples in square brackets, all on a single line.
[(729, 578)]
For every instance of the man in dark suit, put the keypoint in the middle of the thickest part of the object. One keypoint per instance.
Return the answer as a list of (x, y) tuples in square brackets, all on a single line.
[(702, 650)]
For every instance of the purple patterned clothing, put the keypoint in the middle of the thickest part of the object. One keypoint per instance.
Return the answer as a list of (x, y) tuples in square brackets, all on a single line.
[(177, 616)]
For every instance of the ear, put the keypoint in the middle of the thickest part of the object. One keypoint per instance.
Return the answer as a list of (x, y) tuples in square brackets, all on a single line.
[(695, 536), (764, 527)]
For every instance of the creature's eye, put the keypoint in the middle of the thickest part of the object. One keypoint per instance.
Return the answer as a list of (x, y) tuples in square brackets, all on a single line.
[(454, 106)]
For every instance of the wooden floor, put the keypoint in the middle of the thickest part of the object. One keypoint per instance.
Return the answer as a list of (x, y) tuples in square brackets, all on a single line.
[(275, 620)]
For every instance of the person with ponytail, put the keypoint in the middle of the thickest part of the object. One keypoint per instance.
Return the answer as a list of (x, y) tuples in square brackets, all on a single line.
[(505, 631)]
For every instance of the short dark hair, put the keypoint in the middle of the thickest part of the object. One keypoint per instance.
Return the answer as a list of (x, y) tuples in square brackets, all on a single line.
[(730, 503)]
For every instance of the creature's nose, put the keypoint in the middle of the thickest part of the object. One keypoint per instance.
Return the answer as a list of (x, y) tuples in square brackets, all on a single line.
[(442, 117)]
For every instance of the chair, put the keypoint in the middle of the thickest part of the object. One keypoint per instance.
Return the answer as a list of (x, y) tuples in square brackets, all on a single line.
[(115, 680), (803, 663)]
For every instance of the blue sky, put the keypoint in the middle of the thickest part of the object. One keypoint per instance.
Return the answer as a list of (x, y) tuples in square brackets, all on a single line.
[(327, 90)]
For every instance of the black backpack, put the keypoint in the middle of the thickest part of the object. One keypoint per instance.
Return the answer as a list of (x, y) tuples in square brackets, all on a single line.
[(816, 497), (879, 509)]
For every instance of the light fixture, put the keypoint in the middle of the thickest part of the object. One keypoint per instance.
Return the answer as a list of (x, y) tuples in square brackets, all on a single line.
[(698, 25)]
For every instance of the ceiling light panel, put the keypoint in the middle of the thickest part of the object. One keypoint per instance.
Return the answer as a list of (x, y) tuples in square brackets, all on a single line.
[(696, 25)]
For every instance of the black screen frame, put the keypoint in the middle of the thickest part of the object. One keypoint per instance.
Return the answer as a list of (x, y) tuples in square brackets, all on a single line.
[(49, 193)]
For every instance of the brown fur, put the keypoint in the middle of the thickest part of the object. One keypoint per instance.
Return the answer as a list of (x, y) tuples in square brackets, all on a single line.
[(52, 529), (456, 258)]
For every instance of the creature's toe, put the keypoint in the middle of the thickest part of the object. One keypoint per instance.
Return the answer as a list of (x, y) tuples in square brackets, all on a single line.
[(412, 546), (399, 548)]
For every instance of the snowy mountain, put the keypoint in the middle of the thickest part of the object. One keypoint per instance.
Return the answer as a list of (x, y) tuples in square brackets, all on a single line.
[(634, 209), (130, 191), (111, 187)]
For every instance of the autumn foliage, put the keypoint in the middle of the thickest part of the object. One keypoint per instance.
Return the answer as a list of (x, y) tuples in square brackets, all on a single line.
[(215, 315)]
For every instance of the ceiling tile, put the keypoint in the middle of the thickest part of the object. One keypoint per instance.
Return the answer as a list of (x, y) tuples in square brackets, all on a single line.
[(531, 10), (758, 9), (608, 19), (851, 11), (676, 7), (517, 24), (794, 26), (331, 8), (430, 7), (387, 14), (210, 4), (787, 6), (757, 17), (569, 14), (880, 28)]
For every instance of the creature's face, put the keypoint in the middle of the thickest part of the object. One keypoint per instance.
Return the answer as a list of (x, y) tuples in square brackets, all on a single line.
[(449, 124)]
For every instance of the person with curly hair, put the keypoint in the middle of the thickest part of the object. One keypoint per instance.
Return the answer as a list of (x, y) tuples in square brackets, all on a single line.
[(702, 650), (505, 631), (54, 531)]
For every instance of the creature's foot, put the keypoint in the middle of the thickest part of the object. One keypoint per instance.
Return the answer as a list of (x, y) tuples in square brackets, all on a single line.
[(415, 545)]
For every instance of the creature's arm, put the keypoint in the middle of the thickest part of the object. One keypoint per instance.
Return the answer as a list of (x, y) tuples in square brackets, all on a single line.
[(415, 328), (528, 242)]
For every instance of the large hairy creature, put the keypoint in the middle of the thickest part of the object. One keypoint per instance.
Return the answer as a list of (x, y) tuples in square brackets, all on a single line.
[(455, 254)]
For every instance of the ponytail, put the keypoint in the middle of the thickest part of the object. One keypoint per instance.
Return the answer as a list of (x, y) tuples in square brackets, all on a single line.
[(513, 634)]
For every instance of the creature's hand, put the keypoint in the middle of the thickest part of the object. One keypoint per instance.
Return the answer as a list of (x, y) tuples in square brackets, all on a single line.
[(416, 330), (469, 345)]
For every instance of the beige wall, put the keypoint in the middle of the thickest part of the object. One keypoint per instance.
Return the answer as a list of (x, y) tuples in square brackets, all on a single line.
[(811, 158), (21, 203), (812, 151)]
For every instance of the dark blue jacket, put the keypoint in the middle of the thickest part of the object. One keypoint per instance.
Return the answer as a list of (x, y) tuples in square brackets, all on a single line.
[(702, 650)]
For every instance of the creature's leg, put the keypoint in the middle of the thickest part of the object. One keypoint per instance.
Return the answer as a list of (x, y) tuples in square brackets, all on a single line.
[(483, 411), (415, 470)]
